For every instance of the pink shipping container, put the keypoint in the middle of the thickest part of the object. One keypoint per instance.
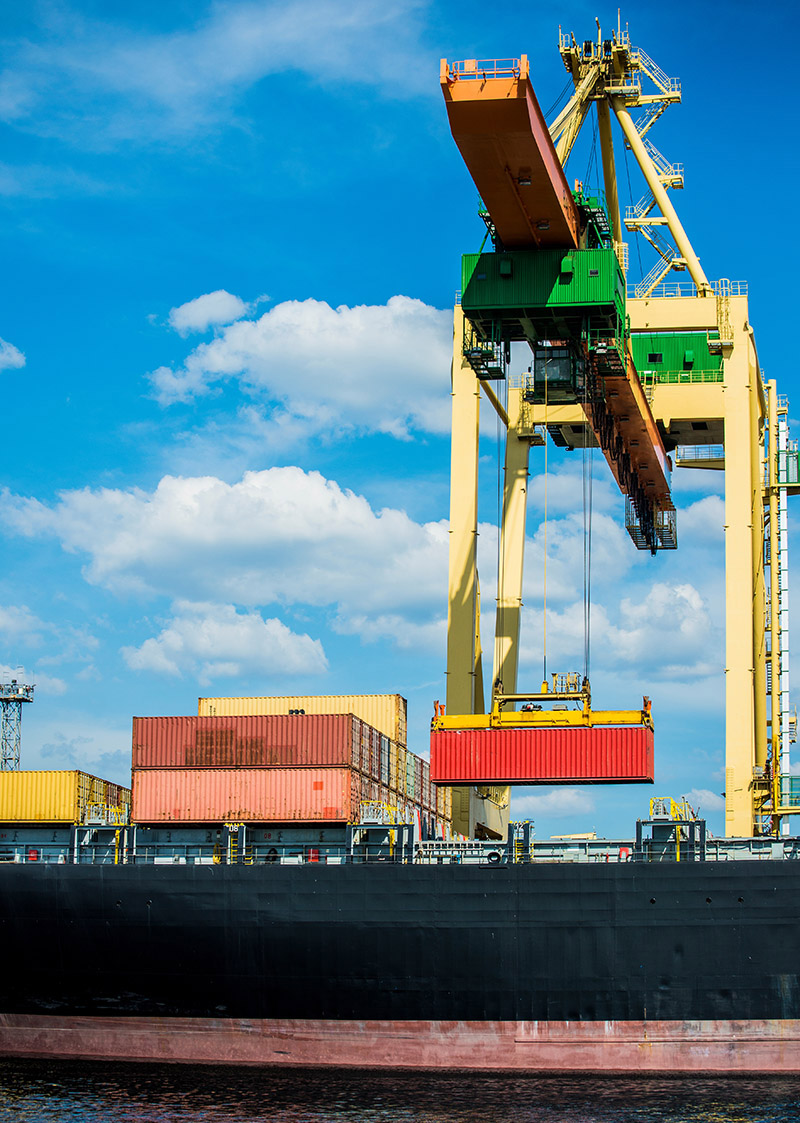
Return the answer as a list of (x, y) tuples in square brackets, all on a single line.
[(601, 755), (250, 741), (246, 795)]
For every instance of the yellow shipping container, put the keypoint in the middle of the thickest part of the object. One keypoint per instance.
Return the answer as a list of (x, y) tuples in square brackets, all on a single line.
[(56, 796), (385, 712)]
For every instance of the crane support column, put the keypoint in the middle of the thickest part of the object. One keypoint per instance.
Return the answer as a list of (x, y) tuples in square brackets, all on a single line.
[(757, 411), (464, 676), (776, 732), (463, 655), (512, 548), (740, 586), (650, 173)]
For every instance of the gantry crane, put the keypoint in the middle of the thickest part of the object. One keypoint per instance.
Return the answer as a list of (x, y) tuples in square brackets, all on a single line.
[(657, 372)]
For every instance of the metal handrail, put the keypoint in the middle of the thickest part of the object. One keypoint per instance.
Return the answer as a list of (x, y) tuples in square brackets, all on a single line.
[(473, 69)]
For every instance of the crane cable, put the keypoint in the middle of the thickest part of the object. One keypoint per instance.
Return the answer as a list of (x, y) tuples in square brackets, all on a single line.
[(587, 481), (587, 468), (544, 567)]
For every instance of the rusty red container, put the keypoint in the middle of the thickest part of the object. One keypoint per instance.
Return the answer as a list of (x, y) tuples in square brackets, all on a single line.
[(601, 755), (246, 795), (250, 741)]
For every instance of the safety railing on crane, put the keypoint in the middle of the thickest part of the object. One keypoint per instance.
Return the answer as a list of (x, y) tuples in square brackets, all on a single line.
[(688, 288), (473, 69), (661, 79)]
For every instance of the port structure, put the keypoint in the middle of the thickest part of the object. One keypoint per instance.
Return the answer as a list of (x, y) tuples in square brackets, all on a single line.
[(646, 372), (13, 695)]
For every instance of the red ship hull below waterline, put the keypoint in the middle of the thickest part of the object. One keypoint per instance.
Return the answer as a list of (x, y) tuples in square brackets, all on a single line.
[(609, 1047)]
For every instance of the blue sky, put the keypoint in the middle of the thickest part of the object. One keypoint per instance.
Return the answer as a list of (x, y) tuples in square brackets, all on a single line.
[(231, 236)]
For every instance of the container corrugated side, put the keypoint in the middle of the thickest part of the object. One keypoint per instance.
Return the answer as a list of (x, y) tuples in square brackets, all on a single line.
[(256, 795), (538, 280), (55, 796), (611, 755), (385, 712), (248, 741)]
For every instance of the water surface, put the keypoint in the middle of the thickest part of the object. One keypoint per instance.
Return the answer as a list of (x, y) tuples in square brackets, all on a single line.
[(44, 1091)]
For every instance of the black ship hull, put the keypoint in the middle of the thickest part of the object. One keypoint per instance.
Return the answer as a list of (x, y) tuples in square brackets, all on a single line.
[(541, 966)]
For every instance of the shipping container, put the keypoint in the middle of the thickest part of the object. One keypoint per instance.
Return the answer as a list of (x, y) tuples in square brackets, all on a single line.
[(419, 794), (401, 762), (385, 712), (246, 795), (411, 772), (444, 801), (385, 743), (601, 755), (375, 754), (250, 741), (59, 796)]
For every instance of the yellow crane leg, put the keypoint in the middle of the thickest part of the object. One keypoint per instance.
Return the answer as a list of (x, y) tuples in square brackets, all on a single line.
[(739, 587), (757, 411), (464, 679)]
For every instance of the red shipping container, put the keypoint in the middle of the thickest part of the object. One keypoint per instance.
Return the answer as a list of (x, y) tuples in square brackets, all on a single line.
[(248, 741), (246, 795), (600, 755)]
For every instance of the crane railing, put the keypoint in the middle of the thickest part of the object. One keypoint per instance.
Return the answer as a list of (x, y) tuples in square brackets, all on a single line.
[(473, 69)]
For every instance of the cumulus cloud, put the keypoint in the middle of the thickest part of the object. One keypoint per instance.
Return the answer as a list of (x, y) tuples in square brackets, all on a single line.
[(666, 629), (154, 85), (277, 537), (378, 367), (79, 740), (213, 640), (11, 358), (284, 537), (703, 521), (45, 684), (703, 800), (556, 803), (19, 625), (209, 310)]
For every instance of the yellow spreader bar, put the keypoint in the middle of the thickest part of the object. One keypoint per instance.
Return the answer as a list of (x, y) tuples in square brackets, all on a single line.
[(543, 719)]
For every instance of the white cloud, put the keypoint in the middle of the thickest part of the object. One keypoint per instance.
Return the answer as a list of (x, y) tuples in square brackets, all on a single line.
[(213, 640), (559, 802), (100, 82), (666, 632), (429, 636), (11, 358), (278, 537), (19, 625), (77, 740), (211, 309), (45, 684), (703, 800), (377, 367)]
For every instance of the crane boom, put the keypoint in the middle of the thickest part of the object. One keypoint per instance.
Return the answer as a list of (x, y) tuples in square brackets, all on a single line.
[(498, 126)]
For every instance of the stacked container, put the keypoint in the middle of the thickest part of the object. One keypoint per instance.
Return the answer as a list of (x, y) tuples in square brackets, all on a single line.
[(385, 712), (272, 768), (405, 776), (59, 796)]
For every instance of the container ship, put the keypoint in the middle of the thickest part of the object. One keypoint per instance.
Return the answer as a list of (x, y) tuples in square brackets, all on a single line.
[(286, 883)]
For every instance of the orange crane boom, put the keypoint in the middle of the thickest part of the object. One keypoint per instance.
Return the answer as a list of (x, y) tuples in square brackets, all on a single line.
[(498, 126)]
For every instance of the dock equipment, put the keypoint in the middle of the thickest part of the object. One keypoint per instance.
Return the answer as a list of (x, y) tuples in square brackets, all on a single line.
[(654, 373)]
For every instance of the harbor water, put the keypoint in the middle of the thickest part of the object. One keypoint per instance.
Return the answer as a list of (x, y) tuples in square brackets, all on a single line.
[(45, 1092)]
